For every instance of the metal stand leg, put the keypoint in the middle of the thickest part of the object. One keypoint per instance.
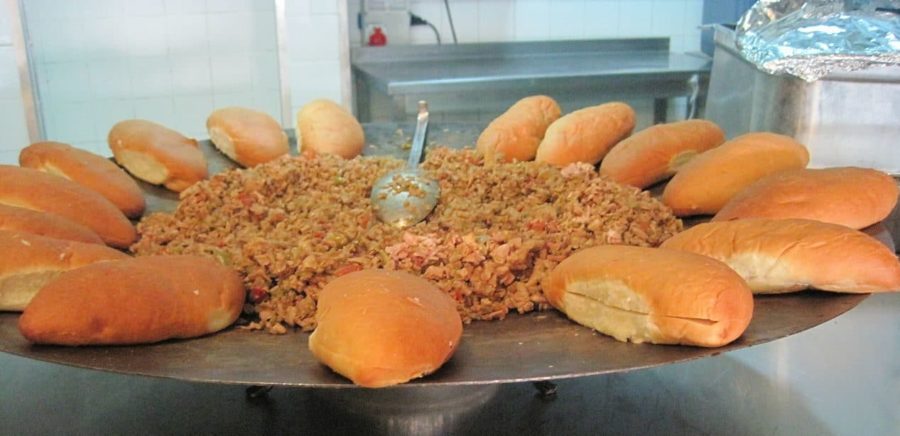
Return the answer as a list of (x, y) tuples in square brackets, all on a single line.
[(546, 390), (257, 393), (660, 110)]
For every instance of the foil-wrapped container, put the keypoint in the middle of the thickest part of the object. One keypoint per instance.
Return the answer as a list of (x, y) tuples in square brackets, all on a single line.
[(809, 39)]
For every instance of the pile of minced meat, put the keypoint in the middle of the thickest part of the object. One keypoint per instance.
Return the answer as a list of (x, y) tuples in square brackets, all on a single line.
[(291, 225)]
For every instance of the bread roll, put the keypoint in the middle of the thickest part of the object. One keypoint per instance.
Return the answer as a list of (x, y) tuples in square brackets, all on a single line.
[(134, 301), (708, 181), (586, 135), (323, 127), (37, 190), (87, 169), (246, 136), (156, 154), (28, 262), (656, 153), (45, 224), (777, 256), (380, 328), (852, 197), (516, 134), (652, 295)]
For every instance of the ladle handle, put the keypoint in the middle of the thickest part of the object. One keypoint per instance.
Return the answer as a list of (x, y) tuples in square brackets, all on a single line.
[(418, 142)]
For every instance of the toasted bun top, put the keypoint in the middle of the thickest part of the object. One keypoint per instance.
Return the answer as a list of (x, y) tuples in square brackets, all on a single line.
[(380, 328), (587, 134), (137, 300), (255, 136), (87, 169), (323, 126), (45, 224), (659, 151), (708, 181), (22, 253), (853, 197), (37, 190), (516, 133)]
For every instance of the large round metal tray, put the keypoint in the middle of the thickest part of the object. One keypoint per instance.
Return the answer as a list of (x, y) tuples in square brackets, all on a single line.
[(536, 346)]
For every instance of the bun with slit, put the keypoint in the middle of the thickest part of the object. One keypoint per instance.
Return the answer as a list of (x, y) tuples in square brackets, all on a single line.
[(28, 262), (651, 295), (785, 255), (156, 154), (246, 136)]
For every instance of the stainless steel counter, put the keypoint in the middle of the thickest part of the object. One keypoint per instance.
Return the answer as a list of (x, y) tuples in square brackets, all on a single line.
[(491, 76)]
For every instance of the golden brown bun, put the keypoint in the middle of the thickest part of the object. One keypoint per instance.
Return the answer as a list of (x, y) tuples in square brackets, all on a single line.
[(246, 136), (87, 169), (37, 190), (156, 154), (586, 135), (777, 256), (28, 262), (516, 134), (134, 301), (45, 224), (380, 328), (708, 181), (324, 127), (652, 295), (852, 197), (656, 153)]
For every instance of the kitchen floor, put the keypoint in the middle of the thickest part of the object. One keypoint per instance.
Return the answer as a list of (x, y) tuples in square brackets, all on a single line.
[(842, 377)]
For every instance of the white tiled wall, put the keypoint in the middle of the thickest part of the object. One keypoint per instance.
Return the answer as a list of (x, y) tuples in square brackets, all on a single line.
[(101, 61), (538, 20), (13, 130), (174, 61), (314, 55)]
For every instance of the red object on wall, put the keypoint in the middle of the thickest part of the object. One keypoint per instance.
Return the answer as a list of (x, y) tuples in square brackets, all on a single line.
[(377, 37)]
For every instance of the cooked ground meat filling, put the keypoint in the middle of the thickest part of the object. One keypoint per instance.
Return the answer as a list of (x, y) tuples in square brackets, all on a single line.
[(291, 225)]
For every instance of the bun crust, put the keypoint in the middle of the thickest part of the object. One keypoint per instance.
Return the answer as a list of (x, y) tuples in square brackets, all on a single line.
[(28, 262), (708, 181), (852, 197), (324, 127), (516, 134), (778, 256), (651, 295), (246, 136), (380, 328), (134, 301), (156, 154), (89, 170), (19, 219), (658, 152), (586, 135), (37, 190)]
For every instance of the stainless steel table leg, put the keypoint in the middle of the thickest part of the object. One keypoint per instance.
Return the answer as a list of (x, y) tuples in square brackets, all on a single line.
[(660, 109), (255, 393), (546, 390)]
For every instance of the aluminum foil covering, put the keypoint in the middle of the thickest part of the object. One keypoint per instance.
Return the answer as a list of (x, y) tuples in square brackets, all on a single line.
[(810, 39)]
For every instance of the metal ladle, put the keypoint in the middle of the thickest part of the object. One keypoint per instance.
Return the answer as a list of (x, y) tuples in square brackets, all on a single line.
[(407, 196)]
